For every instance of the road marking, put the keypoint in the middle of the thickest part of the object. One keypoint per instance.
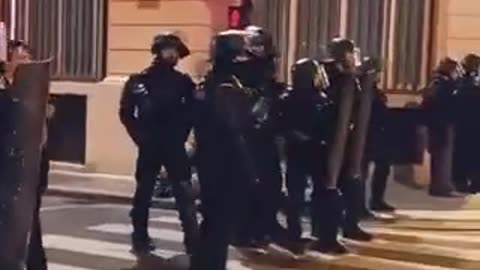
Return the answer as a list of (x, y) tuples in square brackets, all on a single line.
[(109, 250), (166, 219), (58, 266), (103, 206), (124, 229), (98, 247)]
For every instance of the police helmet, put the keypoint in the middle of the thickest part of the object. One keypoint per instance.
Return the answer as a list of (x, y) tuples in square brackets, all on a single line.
[(169, 40), (338, 47), (259, 42), (229, 47), (447, 67), (471, 63), (309, 73)]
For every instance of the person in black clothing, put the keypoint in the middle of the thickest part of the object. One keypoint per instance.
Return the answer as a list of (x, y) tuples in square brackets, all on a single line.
[(156, 110), (439, 105), (466, 175), (261, 226), (306, 116), (345, 148), (377, 152), (229, 106)]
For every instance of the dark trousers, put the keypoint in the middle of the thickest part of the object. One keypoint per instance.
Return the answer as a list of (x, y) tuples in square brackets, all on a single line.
[(466, 172), (224, 190), (37, 259), (378, 186), (150, 159), (441, 142), (303, 161), (265, 199)]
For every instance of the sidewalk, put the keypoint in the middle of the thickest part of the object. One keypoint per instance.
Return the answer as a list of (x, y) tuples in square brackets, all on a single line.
[(111, 188), (119, 189)]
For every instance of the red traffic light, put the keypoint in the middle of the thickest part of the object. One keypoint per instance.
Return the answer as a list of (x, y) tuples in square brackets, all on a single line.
[(235, 18)]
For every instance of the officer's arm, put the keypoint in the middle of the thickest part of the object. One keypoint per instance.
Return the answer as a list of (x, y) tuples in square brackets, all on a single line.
[(189, 103), (127, 110)]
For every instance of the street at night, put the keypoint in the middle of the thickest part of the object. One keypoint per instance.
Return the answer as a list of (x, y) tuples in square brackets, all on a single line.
[(92, 235)]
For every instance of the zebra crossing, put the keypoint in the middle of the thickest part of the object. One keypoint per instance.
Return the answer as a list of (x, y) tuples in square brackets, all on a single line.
[(106, 246), (415, 241)]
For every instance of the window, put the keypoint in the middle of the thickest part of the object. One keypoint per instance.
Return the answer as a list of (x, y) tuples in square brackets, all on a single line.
[(318, 21), (274, 15), (72, 32), (397, 31)]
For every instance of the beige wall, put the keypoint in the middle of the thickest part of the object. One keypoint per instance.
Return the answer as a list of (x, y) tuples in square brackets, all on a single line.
[(457, 28), (133, 23)]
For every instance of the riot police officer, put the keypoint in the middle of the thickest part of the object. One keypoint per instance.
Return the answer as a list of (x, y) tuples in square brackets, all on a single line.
[(261, 225), (465, 169), (306, 116), (440, 110), (156, 109), (377, 152), (348, 81), (228, 109)]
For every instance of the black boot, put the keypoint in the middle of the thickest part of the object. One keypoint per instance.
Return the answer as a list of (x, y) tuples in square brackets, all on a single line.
[(352, 194), (365, 212), (187, 209), (328, 215), (381, 206), (142, 244)]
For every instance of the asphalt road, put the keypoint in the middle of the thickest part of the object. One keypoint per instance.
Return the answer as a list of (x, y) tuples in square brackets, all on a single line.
[(90, 235)]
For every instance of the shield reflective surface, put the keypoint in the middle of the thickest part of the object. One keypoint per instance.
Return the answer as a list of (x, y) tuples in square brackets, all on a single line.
[(341, 131), (361, 121), (20, 176)]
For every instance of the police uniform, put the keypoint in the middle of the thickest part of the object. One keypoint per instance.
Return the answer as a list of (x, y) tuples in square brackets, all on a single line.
[(261, 225), (306, 116), (227, 108), (377, 153), (466, 176), (156, 109), (345, 148)]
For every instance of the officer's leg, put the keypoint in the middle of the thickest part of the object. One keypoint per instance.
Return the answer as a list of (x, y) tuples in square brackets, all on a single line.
[(365, 212), (37, 259), (352, 194), (327, 206), (178, 169), (221, 195), (461, 161), (271, 194), (148, 165), (296, 183), (379, 185)]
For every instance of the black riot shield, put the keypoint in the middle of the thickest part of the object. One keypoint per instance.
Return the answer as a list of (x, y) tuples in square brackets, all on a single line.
[(20, 177), (234, 105), (337, 148), (361, 121)]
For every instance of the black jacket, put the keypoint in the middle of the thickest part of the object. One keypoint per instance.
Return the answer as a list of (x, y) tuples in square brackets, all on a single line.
[(306, 116), (156, 105)]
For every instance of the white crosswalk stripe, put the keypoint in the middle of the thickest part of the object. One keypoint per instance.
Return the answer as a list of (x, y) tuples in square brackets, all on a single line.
[(59, 266), (124, 229), (119, 251)]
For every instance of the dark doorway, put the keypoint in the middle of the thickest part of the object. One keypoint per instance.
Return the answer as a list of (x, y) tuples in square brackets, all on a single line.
[(67, 129)]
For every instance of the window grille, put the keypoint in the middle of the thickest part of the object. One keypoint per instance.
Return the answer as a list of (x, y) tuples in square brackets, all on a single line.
[(72, 32)]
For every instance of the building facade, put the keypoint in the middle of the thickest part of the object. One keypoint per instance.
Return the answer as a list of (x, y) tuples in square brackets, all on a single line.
[(96, 44)]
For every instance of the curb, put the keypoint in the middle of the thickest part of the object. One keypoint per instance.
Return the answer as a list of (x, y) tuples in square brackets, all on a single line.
[(110, 197)]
